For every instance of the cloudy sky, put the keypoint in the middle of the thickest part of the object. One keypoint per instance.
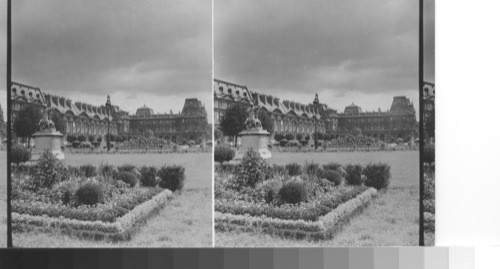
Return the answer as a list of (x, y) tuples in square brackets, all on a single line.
[(3, 57), (152, 52), (347, 51)]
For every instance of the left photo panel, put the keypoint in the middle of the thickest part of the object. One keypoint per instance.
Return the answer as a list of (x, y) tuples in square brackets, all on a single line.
[(111, 134)]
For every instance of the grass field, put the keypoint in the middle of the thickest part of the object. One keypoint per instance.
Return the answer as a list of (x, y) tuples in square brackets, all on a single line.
[(392, 218), (3, 199), (186, 221)]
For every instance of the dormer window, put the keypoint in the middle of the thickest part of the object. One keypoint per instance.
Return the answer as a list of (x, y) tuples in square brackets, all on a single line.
[(22, 92), (221, 89), (245, 94), (237, 92), (229, 90), (14, 90)]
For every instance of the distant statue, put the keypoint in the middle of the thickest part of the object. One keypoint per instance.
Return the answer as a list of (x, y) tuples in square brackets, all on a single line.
[(45, 123), (252, 122)]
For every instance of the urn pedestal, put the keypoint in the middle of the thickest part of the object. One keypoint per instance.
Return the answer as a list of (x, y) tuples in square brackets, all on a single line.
[(47, 140), (257, 139)]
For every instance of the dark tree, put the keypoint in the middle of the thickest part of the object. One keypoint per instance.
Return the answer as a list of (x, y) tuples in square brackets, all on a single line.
[(71, 138), (429, 125), (91, 138), (278, 137), (267, 122), (218, 134), (299, 137), (233, 121), (58, 121), (82, 138), (26, 123)]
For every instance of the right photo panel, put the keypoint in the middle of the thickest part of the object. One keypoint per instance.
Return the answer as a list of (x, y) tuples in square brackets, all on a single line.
[(316, 123)]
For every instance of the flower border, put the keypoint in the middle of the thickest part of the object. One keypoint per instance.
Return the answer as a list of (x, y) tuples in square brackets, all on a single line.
[(323, 228), (121, 229)]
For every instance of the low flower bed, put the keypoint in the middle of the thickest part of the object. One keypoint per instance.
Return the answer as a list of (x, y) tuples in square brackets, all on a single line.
[(295, 200), (322, 228), (308, 211), (104, 202), (121, 228), (107, 212)]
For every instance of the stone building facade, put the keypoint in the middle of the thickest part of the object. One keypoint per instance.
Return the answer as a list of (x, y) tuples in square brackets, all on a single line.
[(82, 118), (398, 122), (298, 118), (190, 124)]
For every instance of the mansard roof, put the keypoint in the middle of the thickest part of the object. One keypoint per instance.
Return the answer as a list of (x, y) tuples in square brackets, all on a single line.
[(231, 91), (63, 105), (287, 107)]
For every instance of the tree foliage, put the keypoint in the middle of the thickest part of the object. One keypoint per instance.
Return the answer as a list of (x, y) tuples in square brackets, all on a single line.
[(265, 119), (233, 121), (26, 123), (218, 134), (429, 125), (58, 121)]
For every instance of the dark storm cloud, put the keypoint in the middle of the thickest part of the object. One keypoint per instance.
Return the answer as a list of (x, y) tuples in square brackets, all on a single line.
[(342, 46), (160, 48)]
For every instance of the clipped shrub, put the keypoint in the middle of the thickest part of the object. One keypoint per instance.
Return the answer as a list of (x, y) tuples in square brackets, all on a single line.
[(20, 154), (332, 166), (148, 176), (107, 170), (223, 153), (127, 177), (89, 193), (294, 169), (268, 190), (313, 169), (66, 190), (377, 175), (73, 171), (48, 171), (332, 176), (75, 144), (253, 169), (293, 191), (354, 174), (283, 142), (279, 170), (126, 168), (172, 177), (88, 170)]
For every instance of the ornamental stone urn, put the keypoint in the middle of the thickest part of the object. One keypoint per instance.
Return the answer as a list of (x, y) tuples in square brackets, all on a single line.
[(48, 138), (254, 137)]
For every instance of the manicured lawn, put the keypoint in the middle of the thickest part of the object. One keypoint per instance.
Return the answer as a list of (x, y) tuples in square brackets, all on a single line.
[(391, 219), (186, 221), (3, 198)]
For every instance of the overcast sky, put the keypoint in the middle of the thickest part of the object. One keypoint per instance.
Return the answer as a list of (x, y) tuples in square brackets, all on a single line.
[(152, 52), (347, 51), (3, 57)]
